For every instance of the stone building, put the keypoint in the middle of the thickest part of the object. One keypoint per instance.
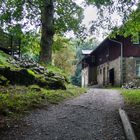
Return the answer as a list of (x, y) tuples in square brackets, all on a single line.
[(113, 62)]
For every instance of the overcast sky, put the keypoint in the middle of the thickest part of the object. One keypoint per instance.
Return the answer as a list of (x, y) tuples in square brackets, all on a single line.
[(90, 14)]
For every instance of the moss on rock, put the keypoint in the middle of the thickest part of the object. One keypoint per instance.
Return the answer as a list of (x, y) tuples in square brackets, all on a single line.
[(28, 77), (25, 76), (4, 81)]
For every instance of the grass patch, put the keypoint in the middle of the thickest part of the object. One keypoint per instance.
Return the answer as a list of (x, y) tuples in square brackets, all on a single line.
[(19, 99), (54, 69), (132, 96), (132, 107), (56, 96), (3, 60)]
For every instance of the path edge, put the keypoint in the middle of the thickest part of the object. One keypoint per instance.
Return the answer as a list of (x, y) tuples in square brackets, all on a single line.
[(129, 132)]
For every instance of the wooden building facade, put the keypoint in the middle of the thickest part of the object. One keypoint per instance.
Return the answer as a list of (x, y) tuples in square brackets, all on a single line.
[(114, 62)]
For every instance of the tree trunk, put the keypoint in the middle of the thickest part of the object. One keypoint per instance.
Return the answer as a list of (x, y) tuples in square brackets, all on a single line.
[(47, 13)]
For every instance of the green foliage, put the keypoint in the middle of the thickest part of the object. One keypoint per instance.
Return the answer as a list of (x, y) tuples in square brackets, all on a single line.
[(131, 27), (89, 45), (131, 96), (4, 81), (64, 55), (63, 59), (128, 12), (60, 95), (20, 16), (30, 45), (76, 78), (18, 100), (55, 69), (31, 72), (59, 43), (68, 15), (3, 60)]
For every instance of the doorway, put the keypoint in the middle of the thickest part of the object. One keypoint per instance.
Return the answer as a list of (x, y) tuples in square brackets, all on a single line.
[(104, 76), (111, 76)]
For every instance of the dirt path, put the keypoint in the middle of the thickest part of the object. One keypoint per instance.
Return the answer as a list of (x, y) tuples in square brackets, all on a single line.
[(92, 116)]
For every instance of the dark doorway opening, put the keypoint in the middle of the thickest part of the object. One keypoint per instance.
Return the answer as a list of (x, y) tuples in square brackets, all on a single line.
[(104, 76), (111, 76)]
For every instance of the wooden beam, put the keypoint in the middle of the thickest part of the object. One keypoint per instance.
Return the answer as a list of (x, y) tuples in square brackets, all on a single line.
[(130, 135)]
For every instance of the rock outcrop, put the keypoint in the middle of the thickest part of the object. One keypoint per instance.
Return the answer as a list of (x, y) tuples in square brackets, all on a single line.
[(28, 72)]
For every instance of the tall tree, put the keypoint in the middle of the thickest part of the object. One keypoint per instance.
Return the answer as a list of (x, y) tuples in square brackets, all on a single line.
[(128, 12), (52, 15), (47, 20)]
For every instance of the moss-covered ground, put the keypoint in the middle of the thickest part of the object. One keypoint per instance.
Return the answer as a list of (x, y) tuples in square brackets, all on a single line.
[(19, 99), (19, 94)]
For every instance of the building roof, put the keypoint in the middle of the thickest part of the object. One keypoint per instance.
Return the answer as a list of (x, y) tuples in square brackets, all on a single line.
[(99, 45), (86, 52)]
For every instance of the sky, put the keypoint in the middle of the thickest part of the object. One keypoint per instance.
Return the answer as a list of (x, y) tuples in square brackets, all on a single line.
[(90, 14)]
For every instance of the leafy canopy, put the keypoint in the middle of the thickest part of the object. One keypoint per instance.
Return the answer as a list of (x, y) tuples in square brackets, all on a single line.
[(128, 12), (27, 13)]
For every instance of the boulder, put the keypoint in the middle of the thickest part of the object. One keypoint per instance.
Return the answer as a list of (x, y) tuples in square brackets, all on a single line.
[(22, 71), (18, 76), (28, 77)]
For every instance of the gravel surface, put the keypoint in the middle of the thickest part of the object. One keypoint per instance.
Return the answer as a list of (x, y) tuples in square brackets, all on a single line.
[(92, 116)]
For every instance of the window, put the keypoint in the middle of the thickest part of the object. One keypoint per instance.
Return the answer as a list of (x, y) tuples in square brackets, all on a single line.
[(136, 39), (138, 68)]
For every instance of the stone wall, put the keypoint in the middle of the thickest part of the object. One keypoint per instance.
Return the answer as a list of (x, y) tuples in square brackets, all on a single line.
[(129, 72), (130, 69), (103, 72)]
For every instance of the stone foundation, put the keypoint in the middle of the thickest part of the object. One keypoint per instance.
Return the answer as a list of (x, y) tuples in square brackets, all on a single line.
[(130, 69), (103, 72)]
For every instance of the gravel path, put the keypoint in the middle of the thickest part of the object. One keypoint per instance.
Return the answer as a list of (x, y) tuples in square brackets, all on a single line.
[(92, 116)]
